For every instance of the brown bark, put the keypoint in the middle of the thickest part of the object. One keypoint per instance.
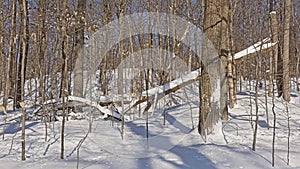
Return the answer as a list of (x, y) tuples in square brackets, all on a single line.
[(286, 51), (9, 67), (80, 28), (1, 52), (64, 85), (23, 56), (215, 26), (274, 56)]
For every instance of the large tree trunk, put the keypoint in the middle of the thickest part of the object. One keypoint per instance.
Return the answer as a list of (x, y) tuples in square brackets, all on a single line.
[(227, 8), (286, 51), (215, 26), (78, 77)]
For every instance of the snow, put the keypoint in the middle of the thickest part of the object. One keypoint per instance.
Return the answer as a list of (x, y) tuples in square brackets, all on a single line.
[(175, 145), (273, 12), (179, 81), (85, 101), (104, 99), (257, 47)]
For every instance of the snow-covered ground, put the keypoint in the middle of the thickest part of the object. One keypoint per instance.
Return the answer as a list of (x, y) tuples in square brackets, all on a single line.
[(173, 145)]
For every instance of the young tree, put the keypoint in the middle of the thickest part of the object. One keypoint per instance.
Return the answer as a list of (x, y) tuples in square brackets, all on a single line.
[(23, 56), (64, 85)]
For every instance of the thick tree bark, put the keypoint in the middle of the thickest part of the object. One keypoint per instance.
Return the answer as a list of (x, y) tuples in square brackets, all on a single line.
[(215, 26), (286, 51), (227, 8), (78, 78)]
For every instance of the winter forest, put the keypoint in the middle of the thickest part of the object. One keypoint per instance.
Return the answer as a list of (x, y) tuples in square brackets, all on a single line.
[(199, 84)]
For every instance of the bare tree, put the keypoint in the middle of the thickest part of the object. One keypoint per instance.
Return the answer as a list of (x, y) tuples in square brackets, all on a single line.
[(64, 85), (274, 125), (256, 103), (23, 56)]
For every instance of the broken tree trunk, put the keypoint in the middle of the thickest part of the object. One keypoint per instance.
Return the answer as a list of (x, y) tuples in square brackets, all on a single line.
[(161, 91), (105, 111)]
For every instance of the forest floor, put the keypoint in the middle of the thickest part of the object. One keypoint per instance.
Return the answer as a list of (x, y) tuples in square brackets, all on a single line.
[(173, 145)]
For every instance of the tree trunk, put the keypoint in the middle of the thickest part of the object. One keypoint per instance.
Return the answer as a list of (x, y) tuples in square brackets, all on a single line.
[(297, 71), (215, 26), (256, 103), (23, 56), (227, 8), (2, 61), (274, 126), (275, 39), (78, 77), (286, 51), (64, 73), (11, 54)]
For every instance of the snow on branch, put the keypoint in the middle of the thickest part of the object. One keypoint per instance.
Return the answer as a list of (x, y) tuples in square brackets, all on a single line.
[(13, 117), (259, 47), (170, 87), (179, 82)]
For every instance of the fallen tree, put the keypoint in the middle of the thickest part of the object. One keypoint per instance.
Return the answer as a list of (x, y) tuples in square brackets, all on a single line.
[(163, 90), (106, 111), (260, 47)]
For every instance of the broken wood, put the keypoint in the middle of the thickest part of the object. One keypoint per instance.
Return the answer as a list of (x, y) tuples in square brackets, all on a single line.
[(107, 112), (260, 47), (165, 89)]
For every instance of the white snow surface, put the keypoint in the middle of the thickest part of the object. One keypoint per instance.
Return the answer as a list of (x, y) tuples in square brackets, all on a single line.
[(175, 145)]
